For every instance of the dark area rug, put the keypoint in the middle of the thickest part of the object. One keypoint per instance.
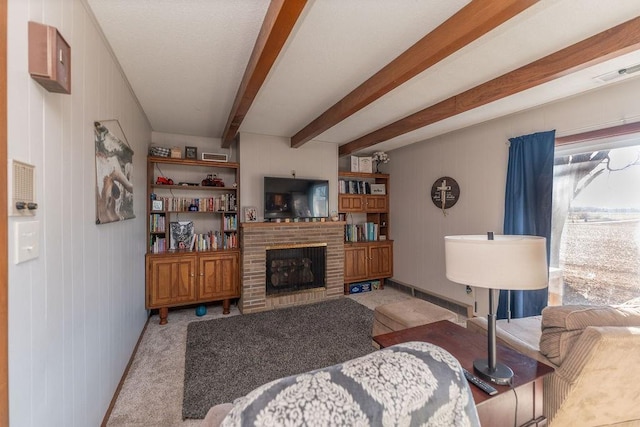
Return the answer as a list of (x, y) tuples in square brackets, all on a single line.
[(227, 358)]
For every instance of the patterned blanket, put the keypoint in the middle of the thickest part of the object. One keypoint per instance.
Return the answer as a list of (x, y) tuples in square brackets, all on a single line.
[(410, 384)]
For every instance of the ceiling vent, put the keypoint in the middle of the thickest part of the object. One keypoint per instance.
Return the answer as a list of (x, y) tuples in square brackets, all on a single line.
[(622, 72)]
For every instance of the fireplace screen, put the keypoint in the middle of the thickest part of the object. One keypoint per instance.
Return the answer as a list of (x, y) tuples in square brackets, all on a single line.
[(296, 268)]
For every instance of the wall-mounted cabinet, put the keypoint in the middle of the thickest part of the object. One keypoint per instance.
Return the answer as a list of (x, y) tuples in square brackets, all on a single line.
[(363, 203), (192, 233), (49, 58)]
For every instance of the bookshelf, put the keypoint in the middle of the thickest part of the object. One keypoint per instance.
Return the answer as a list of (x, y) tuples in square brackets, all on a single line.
[(192, 233), (363, 203)]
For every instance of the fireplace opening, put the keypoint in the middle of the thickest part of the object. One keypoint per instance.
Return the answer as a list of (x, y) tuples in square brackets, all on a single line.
[(296, 268)]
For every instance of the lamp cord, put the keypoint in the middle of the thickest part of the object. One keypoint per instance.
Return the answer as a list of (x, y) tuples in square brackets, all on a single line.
[(515, 415)]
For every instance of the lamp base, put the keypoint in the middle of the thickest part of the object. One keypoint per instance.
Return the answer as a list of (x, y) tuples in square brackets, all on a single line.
[(502, 375)]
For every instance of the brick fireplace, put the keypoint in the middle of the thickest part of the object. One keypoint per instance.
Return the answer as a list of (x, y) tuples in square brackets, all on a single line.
[(256, 238)]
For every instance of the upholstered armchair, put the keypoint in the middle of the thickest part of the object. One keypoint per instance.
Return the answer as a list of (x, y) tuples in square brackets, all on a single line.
[(596, 354)]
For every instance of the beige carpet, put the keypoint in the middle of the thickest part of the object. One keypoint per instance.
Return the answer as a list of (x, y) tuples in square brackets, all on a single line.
[(152, 392)]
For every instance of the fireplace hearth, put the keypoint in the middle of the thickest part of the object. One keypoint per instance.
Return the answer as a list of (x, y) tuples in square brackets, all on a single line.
[(295, 268), (257, 238)]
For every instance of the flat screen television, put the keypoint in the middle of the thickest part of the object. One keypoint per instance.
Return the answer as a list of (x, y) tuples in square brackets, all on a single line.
[(295, 198)]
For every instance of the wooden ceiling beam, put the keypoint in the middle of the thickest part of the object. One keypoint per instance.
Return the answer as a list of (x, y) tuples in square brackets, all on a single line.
[(280, 19), (468, 24), (604, 46)]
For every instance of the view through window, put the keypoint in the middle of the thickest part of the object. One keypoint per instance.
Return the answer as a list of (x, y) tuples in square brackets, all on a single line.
[(595, 241)]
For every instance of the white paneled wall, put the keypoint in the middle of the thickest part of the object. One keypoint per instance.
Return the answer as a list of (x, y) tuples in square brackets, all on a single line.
[(476, 158), (75, 312)]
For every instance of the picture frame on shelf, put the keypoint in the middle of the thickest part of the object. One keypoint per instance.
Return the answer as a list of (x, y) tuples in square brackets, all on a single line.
[(157, 205), (250, 214), (355, 164), (176, 153), (365, 164), (182, 234), (379, 189), (191, 153)]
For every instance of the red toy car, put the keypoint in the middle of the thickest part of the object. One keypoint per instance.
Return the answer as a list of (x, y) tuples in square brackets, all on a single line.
[(164, 180), (211, 181)]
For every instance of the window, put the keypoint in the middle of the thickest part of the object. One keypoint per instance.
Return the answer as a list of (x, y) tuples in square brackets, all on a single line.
[(595, 240)]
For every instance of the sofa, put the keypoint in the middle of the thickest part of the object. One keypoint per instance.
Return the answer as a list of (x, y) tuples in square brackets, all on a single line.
[(595, 351), (414, 383)]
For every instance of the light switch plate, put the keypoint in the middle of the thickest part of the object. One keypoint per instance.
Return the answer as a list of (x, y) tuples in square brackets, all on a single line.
[(27, 241)]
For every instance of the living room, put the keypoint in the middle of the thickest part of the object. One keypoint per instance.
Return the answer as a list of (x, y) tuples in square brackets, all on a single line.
[(77, 311)]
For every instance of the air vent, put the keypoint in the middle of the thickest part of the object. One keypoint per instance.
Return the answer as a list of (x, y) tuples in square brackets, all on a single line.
[(215, 157), (22, 197)]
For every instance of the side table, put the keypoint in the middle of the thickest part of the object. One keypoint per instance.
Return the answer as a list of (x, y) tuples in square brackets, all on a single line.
[(522, 401)]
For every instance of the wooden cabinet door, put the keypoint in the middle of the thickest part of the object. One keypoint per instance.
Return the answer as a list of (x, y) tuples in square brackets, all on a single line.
[(355, 263), (170, 280), (219, 276), (376, 203), (350, 203), (381, 260)]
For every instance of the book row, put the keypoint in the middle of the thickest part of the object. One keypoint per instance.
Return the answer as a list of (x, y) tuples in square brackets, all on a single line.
[(158, 245), (157, 223), (360, 187), (230, 222), (222, 203), (365, 232), (210, 241), (214, 241)]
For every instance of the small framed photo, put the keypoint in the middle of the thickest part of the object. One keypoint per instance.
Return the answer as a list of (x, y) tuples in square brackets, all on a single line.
[(379, 189), (157, 205), (176, 153), (250, 214), (191, 153)]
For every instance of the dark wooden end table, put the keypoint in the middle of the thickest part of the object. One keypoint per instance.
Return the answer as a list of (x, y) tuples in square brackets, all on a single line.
[(466, 346)]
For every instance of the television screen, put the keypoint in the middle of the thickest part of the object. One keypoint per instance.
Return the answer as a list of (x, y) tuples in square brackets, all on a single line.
[(295, 198)]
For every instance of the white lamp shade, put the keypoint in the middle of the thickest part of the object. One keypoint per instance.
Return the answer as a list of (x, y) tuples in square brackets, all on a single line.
[(507, 262)]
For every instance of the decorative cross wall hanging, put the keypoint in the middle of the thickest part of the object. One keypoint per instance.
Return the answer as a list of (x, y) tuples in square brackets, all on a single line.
[(445, 193)]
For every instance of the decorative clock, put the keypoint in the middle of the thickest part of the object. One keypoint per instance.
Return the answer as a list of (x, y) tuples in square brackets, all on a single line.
[(445, 193)]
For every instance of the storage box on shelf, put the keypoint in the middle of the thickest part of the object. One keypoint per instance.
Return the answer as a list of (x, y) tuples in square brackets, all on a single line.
[(192, 251), (363, 202)]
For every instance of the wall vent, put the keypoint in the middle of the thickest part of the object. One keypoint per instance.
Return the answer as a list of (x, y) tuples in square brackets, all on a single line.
[(22, 197), (215, 157)]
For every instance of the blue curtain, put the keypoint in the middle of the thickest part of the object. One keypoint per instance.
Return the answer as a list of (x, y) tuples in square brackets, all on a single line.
[(527, 208)]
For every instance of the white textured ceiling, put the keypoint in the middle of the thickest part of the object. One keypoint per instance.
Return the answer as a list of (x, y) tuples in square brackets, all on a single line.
[(185, 60)]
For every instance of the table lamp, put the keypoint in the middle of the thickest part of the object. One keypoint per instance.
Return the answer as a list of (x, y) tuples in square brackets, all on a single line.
[(503, 262)]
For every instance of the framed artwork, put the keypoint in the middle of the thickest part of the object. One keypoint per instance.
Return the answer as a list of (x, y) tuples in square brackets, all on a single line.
[(157, 205), (182, 235), (191, 153), (379, 189), (114, 173), (365, 164), (250, 214)]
